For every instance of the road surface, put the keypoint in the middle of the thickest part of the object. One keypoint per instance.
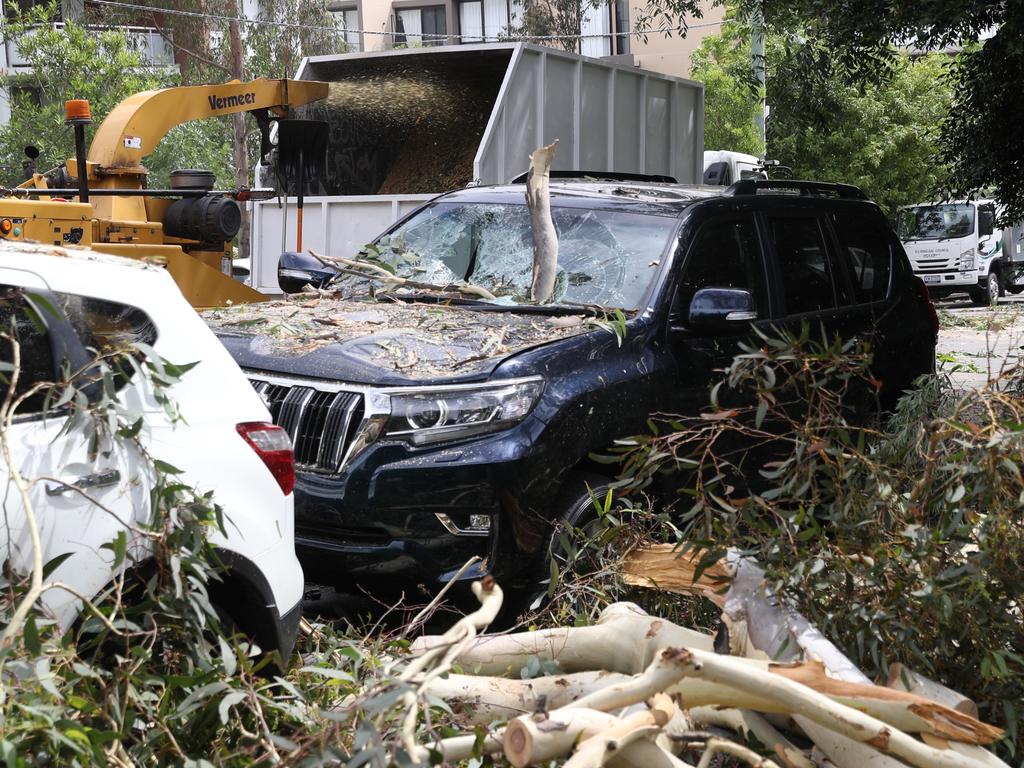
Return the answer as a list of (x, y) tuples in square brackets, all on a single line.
[(976, 343)]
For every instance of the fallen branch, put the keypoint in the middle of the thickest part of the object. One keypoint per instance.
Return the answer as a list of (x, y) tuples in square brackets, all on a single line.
[(439, 659), (370, 271), (817, 707), (624, 639), (752, 724), (627, 640)]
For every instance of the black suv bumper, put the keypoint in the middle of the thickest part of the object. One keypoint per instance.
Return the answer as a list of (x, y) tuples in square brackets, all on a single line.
[(416, 516)]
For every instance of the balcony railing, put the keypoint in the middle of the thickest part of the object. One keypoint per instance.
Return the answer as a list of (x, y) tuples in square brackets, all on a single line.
[(154, 50)]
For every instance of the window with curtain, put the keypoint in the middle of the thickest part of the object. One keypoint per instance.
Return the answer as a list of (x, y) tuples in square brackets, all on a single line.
[(421, 26), (483, 20), (596, 21), (495, 18), (348, 23), (471, 21)]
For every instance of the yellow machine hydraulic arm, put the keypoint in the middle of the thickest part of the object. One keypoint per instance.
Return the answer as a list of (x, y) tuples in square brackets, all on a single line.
[(190, 226)]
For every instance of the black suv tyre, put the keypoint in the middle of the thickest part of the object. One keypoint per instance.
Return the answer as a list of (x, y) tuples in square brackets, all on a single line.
[(987, 295)]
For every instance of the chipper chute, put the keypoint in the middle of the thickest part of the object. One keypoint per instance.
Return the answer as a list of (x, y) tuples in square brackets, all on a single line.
[(302, 152)]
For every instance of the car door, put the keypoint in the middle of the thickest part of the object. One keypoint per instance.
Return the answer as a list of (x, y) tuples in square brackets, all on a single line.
[(725, 252), (814, 286), (883, 312), (81, 498)]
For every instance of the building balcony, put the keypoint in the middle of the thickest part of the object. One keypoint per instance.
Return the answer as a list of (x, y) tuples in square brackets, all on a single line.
[(154, 50)]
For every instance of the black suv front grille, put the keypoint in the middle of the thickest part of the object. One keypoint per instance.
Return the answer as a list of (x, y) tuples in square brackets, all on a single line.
[(321, 424)]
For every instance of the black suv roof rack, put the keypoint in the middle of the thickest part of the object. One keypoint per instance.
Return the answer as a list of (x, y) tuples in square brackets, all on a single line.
[(602, 176), (790, 187)]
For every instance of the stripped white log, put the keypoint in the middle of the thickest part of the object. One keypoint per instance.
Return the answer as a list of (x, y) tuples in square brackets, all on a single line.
[(545, 238), (903, 679), (624, 639), (801, 700), (498, 698)]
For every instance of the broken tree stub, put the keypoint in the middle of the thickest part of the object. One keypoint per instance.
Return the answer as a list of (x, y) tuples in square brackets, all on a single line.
[(545, 239)]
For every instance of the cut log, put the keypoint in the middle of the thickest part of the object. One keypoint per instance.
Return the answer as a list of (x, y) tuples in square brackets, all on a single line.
[(545, 238)]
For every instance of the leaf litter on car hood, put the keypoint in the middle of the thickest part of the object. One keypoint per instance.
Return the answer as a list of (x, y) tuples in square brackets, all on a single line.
[(409, 338)]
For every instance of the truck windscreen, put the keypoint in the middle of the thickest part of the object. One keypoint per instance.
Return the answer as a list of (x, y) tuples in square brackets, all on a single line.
[(932, 222)]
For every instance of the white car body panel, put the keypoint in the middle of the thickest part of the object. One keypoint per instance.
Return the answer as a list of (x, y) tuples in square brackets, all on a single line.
[(213, 398)]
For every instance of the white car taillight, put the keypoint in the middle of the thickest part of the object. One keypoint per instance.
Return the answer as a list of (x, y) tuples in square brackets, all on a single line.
[(274, 447)]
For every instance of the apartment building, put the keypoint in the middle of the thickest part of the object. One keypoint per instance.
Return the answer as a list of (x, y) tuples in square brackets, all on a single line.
[(374, 25)]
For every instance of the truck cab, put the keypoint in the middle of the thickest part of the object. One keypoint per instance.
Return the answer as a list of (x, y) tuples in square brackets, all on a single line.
[(722, 167), (956, 247)]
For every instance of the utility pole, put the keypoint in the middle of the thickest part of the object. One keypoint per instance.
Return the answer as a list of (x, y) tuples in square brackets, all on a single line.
[(240, 149), (757, 63)]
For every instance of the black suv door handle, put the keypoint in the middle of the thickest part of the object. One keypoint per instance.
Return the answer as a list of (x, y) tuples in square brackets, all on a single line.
[(95, 480)]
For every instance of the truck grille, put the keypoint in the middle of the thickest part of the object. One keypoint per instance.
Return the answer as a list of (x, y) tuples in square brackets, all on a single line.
[(942, 264), (321, 424)]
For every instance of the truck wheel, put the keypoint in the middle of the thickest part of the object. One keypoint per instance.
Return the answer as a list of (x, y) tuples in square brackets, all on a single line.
[(988, 294)]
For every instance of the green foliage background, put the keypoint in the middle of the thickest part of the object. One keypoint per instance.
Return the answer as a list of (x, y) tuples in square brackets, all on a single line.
[(722, 63), (881, 136)]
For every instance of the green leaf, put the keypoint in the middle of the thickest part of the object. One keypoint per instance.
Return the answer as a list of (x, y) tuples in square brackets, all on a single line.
[(31, 636), (226, 703), (55, 563)]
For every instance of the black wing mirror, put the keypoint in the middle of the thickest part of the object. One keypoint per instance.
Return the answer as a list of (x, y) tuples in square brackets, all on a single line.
[(721, 309), (986, 223), (297, 270)]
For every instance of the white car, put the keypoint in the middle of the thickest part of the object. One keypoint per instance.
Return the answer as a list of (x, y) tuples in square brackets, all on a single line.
[(225, 442)]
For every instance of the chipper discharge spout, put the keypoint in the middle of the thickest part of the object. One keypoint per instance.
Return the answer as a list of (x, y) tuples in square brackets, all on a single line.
[(108, 207)]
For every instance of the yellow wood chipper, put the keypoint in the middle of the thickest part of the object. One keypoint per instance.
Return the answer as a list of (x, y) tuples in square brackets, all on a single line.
[(190, 226)]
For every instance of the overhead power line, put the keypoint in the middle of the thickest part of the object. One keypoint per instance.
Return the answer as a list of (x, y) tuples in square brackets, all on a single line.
[(342, 30)]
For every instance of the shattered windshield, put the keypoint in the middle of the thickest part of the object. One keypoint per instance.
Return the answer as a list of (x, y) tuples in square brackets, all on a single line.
[(932, 222), (607, 258)]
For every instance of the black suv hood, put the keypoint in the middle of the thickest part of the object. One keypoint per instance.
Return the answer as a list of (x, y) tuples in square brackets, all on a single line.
[(377, 343)]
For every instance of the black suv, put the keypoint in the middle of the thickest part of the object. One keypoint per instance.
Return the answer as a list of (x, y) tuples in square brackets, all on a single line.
[(428, 429)]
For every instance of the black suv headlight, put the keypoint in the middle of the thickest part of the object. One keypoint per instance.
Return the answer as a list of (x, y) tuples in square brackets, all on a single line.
[(451, 413)]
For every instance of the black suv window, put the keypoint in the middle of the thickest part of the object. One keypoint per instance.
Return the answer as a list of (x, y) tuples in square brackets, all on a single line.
[(807, 282), (867, 251), (725, 254)]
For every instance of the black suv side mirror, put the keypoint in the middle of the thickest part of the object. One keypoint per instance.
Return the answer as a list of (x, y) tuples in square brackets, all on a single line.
[(986, 223), (297, 270), (721, 308)]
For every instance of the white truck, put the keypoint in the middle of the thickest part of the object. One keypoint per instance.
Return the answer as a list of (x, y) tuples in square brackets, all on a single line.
[(956, 247), (722, 167)]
